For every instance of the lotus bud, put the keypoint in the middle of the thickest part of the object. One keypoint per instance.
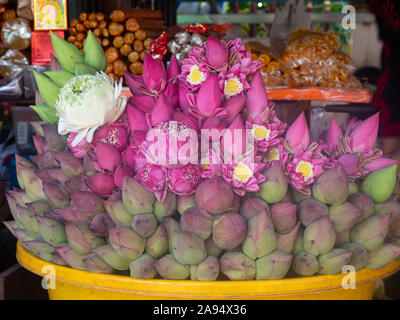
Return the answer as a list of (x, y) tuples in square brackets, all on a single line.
[(237, 202), (172, 228), (169, 268), (275, 187), (173, 68), (39, 207), (120, 172), (299, 243), (21, 163), (29, 221), (311, 210), (237, 266), (54, 141), (33, 185), (56, 258), (273, 266), (188, 248), (285, 241), (365, 134), (136, 119), (392, 207), (166, 208), (331, 263), (108, 156), (371, 232), (101, 224), (195, 222), (135, 197), (53, 232), (162, 111), (73, 214), (359, 258), (353, 189), (56, 195), (298, 134), (74, 259), (257, 99), (229, 230), (379, 185), (305, 264), (319, 237), (233, 106), (20, 234), (118, 213), (172, 95), (93, 263), (207, 270), (215, 196), (112, 258), (143, 267), (143, 103), (87, 202), (153, 72), (144, 224), (185, 202), (334, 134), (342, 238), (208, 99), (379, 164), (127, 242), (331, 186), (216, 53), (55, 175), (344, 216), (80, 238), (252, 207), (298, 196), (260, 239), (183, 97), (40, 249), (212, 248), (13, 209), (382, 256), (21, 197), (364, 204), (101, 184), (350, 164), (284, 216), (157, 244), (234, 144)]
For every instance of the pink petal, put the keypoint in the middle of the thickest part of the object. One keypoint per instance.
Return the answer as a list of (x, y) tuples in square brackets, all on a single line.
[(257, 99), (380, 164), (365, 134), (298, 134), (334, 134)]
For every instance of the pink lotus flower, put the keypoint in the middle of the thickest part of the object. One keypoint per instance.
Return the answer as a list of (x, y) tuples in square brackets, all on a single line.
[(239, 54), (234, 140), (276, 154), (172, 94), (114, 134), (162, 112), (154, 74), (80, 149), (211, 163), (266, 135), (351, 165), (233, 106), (194, 72), (232, 82), (380, 163), (108, 156), (152, 177), (136, 119), (365, 134), (216, 54), (143, 103), (298, 134), (183, 97), (244, 175), (173, 69), (184, 181), (120, 172), (101, 184), (333, 136), (134, 158)]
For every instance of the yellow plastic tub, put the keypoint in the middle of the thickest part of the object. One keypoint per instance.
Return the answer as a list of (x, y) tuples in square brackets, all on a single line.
[(76, 284)]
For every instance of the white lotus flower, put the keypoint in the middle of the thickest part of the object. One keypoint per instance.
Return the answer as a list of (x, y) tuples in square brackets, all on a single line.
[(87, 102)]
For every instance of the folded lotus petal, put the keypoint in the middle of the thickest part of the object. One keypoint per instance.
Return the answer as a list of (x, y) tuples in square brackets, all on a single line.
[(173, 68), (143, 103), (233, 106), (135, 83), (162, 111), (136, 119), (108, 156), (172, 94), (153, 72), (101, 184), (183, 99), (120, 172), (350, 164), (234, 140), (298, 134), (365, 134), (257, 99), (216, 54), (380, 163), (334, 134)]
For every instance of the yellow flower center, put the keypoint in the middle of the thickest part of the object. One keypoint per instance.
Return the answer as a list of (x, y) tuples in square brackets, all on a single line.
[(195, 76), (273, 155), (261, 132), (233, 87), (242, 172), (306, 169)]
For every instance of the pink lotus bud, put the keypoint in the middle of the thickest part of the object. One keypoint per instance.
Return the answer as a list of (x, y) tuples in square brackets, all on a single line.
[(81, 148), (215, 122), (153, 72), (208, 100), (234, 141), (134, 158), (298, 134), (186, 119), (87, 202), (183, 97), (184, 181), (101, 224), (215, 196), (380, 163), (334, 134), (136, 119), (114, 134), (44, 160), (172, 94), (56, 195), (365, 134), (233, 106), (135, 82), (173, 69), (257, 99), (108, 156), (152, 177), (216, 53), (40, 144), (350, 164), (162, 111), (73, 214), (101, 184), (120, 172), (88, 164), (143, 103)]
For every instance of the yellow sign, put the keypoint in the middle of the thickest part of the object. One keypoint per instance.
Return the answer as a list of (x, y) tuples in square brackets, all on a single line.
[(50, 14)]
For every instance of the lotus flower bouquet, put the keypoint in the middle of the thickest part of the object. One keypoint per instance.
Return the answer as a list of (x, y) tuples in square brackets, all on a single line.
[(194, 176)]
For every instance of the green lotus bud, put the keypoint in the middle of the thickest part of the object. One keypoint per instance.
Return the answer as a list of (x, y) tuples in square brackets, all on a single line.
[(360, 255), (56, 258), (299, 244), (392, 207), (20, 234), (118, 213), (21, 162), (33, 185), (188, 248), (342, 238), (273, 266), (207, 270), (101, 224), (237, 266), (49, 91), (274, 189), (353, 188), (319, 237), (299, 197), (56, 195), (364, 204), (212, 248), (166, 208), (331, 263), (112, 258), (71, 166), (29, 221), (157, 244), (93, 263), (331, 186), (311, 210), (127, 242), (67, 54), (143, 267), (229, 230), (382, 256), (13, 209), (169, 268), (172, 228), (93, 53), (379, 185), (344, 216), (215, 196), (39, 207), (81, 239), (371, 232), (40, 249), (186, 202), (285, 241), (135, 197), (144, 224), (305, 264), (284, 216), (21, 197), (52, 231), (194, 221), (74, 259), (252, 207)]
